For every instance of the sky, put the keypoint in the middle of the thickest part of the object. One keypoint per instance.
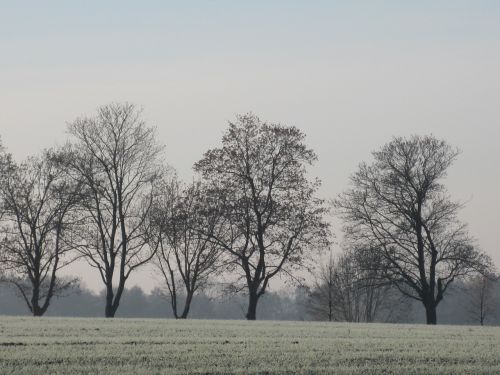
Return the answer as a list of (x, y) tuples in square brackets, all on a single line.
[(350, 74)]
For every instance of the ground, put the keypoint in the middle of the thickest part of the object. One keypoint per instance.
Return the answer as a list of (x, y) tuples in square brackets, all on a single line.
[(150, 346)]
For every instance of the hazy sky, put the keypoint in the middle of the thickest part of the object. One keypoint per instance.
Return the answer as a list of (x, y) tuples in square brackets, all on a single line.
[(350, 74)]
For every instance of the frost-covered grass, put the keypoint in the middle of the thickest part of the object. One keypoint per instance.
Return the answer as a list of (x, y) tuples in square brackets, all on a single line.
[(126, 346)]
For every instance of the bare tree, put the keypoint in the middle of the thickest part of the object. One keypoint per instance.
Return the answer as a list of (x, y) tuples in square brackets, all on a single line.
[(398, 208), (344, 291), (6, 165), (183, 223), (350, 300), (5, 168), (5, 160), (117, 159), (482, 299), (272, 216), (320, 302), (38, 204)]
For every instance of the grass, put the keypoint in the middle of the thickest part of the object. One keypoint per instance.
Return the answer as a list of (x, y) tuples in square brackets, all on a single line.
[(134, 346)]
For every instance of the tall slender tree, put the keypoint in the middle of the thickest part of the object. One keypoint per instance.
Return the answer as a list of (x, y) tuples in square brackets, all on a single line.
[(274, 221), (321, 302), (183, 223), (118, 160), (482, 300)]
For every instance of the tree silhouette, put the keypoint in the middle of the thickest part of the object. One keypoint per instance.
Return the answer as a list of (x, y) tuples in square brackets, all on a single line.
[(272, 217), (399, 209), (117, 159)]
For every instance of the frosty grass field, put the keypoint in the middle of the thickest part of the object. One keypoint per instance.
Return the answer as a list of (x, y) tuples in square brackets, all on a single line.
[(133, 346)]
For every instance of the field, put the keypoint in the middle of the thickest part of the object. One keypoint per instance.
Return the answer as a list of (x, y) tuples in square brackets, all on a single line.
[(126, 346)]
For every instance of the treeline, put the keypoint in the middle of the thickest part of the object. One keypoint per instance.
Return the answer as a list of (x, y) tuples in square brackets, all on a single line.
[(251, 215), (137, 304), (459, 308)]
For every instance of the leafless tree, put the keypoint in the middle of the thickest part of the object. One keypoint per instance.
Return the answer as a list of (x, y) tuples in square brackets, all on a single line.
[(183, 223), (399, 209), (320, 302), (5, 168), (117, 159), (344, 291), (273, 219), (482, 300), (352, 302), (38, 203)]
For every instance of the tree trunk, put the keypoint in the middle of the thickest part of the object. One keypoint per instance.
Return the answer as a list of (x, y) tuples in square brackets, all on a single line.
[(187, 305), (430, 314), (330, 310), (35, 307), (37, 311), (252, 305), (110, 310), (173, 303)]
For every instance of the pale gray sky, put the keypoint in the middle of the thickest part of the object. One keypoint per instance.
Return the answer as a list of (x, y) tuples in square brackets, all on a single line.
[(350, 74)]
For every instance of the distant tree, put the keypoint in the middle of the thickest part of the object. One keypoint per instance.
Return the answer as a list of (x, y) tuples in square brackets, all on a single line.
[(344, 291), (183, 222), (273, 219), (320, 302), (350, 301), (117, 159), (38, 203), (399, 209), (134, 303), (482, 300)]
